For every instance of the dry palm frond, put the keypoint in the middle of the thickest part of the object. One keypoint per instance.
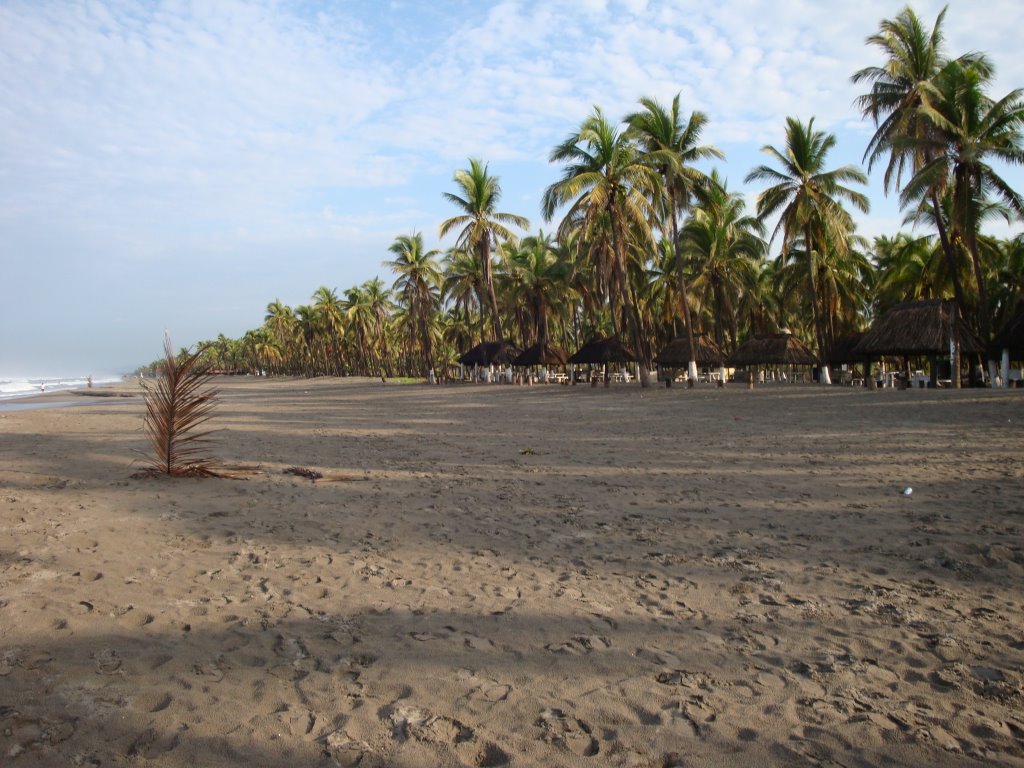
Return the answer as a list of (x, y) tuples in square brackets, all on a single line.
[(176, 404), (319, 477), (310, 474)]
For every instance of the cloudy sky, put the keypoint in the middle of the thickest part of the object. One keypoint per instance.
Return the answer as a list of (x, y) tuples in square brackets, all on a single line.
[(178, 165)]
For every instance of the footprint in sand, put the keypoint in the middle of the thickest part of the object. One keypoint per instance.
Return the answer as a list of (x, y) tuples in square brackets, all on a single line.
[(486, 689), (466, 639), (581, 644), (108, 661), (422, 725), (696, 711), (344, 750), (566, 731)]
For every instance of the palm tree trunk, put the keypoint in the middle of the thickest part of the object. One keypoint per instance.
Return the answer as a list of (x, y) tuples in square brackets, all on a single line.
[(824, 377), (691, 378), (485, 265), (958, 291), (632, 319), (984, 325)]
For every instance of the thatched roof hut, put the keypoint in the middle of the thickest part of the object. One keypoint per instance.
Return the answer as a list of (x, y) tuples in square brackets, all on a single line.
[(490, 353), (601, 352), (918, 328), (772, 349), (541, 354), (676, 353), (844, 351), (1011, 337)]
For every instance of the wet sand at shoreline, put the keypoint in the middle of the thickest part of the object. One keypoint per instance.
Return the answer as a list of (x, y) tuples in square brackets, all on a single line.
[(508, 575)]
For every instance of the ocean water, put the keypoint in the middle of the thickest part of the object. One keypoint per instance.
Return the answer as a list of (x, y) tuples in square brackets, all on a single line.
[(14, 387)]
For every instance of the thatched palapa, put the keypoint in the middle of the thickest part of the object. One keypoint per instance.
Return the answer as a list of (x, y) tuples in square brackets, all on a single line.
[(844, 351), (918, 328), (541, 354), (772, 349), (676, 353), (602, 352), (490, 353), (1011, 337)]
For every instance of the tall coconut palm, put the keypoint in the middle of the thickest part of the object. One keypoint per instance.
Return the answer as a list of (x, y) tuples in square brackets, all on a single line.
[(903, 103), (331, 315), (726, 248), (542, 281), (665, 130), (418, 285), (968, 132), (807, 198), (844, 277), (377, 302), (481, 224), (608, 179), (281, 324), (464, 286)]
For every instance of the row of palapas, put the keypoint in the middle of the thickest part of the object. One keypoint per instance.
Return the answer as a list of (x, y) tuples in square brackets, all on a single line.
[(909, 330)]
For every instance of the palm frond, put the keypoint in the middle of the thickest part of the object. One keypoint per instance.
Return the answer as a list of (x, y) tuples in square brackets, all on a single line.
[(177, 403)]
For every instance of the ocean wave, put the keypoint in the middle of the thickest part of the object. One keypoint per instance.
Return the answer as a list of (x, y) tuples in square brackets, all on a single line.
[(27, 387)]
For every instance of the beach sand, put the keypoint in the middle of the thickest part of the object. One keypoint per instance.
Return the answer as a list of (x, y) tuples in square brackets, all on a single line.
[(523, 576)]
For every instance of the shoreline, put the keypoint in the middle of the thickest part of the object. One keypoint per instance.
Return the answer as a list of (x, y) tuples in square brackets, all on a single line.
[(516, 575)]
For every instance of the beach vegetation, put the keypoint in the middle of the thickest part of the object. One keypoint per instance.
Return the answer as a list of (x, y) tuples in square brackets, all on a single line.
[(649, 244)]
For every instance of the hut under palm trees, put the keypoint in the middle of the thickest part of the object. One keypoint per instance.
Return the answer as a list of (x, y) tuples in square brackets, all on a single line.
[(844, 353), (771, 349), (602, 351), (1009, 345), (676, 354), (541, 354), (488, 353), (929, 328)]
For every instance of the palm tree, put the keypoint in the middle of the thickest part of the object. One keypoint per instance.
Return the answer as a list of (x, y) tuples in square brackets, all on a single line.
[(608, 181), (482, 225), (806, 197), (663, 130), (968, 130), (330, 312), (464, 286), (726, 249), (377, 302), (909, 269), (903, 103), (282, 326), (418, 285), (542, 281), (844, 277), (1008, 278)]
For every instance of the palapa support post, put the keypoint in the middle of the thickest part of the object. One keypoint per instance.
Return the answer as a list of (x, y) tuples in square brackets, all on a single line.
[(954, 348)]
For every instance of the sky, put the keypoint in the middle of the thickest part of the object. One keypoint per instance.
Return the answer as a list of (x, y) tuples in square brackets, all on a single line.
[(175, 165)]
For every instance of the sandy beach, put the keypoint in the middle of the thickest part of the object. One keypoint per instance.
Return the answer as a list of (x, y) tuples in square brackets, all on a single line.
[(522, 576)]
